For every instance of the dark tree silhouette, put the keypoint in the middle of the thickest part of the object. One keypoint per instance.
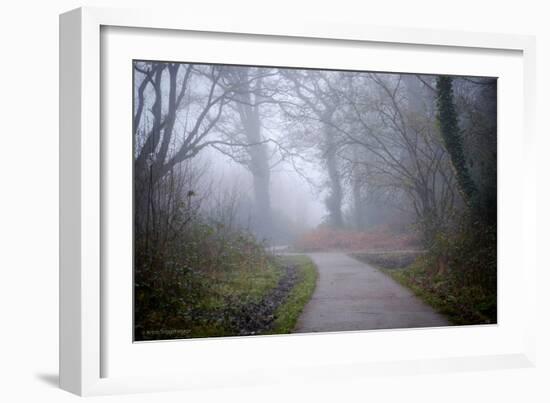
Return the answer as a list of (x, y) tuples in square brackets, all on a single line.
[(450, 132)]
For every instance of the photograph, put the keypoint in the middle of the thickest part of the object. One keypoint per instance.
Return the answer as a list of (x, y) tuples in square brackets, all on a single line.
[(228, 201), (272, 200)]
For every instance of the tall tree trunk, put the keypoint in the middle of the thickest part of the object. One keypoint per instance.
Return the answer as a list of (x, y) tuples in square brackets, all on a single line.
[(334, 199), (356, 185), (452, 139), (261, 174), (249, 111)]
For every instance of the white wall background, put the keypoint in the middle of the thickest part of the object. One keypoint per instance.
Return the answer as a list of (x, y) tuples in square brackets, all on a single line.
[(29, 201)]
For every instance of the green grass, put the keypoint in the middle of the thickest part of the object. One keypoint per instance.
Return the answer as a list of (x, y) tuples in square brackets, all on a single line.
[(236, 293), (287, 314), (231, 290), (461, 304), (388, 260), (249, 285)]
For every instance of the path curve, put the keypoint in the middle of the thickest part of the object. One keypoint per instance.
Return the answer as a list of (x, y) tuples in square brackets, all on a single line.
[(351, 295)]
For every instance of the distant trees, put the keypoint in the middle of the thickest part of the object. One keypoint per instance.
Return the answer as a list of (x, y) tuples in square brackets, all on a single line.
[(401, 151), (316, 102), (245, 127), (384, 142)]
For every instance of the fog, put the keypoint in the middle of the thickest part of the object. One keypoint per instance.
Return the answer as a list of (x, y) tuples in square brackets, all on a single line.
[(293, 196), (245, 177), (277, 153)]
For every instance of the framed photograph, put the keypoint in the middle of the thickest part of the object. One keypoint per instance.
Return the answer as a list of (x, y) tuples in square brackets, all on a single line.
[(242, 203)]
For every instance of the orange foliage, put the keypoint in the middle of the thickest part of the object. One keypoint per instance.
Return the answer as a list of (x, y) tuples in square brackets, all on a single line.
[(380, 238)]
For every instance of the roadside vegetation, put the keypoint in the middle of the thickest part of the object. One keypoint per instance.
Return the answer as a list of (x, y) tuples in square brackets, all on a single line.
[(210, 282), (388, 260), (463, 287), (288, 312)]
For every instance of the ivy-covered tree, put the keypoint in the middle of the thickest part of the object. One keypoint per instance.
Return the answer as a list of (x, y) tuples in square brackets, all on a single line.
[(450, 132)]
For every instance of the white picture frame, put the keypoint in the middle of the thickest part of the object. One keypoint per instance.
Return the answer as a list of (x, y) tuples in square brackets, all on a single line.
[(82, 299)]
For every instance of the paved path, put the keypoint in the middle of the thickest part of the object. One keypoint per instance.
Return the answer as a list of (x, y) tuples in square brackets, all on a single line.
[(351, 295)]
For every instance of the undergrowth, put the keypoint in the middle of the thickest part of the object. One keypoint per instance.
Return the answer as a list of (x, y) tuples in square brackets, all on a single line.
[(213, 282), (457, 276)]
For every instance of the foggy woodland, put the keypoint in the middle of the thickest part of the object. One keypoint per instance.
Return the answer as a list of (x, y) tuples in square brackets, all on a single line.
[(234, 163)]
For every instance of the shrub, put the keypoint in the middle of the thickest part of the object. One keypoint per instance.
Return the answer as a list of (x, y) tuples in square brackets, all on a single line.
[(458, 275), (179, 283)]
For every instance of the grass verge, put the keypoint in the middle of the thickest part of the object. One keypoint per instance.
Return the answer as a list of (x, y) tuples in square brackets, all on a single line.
[(388, 260), (243, 301), (461, 304), (236, 303), (288, 312)]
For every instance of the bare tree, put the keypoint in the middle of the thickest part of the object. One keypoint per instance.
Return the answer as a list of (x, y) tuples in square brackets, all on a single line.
[(246, 128), (318, 102), (402, 148), (176, 107)]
